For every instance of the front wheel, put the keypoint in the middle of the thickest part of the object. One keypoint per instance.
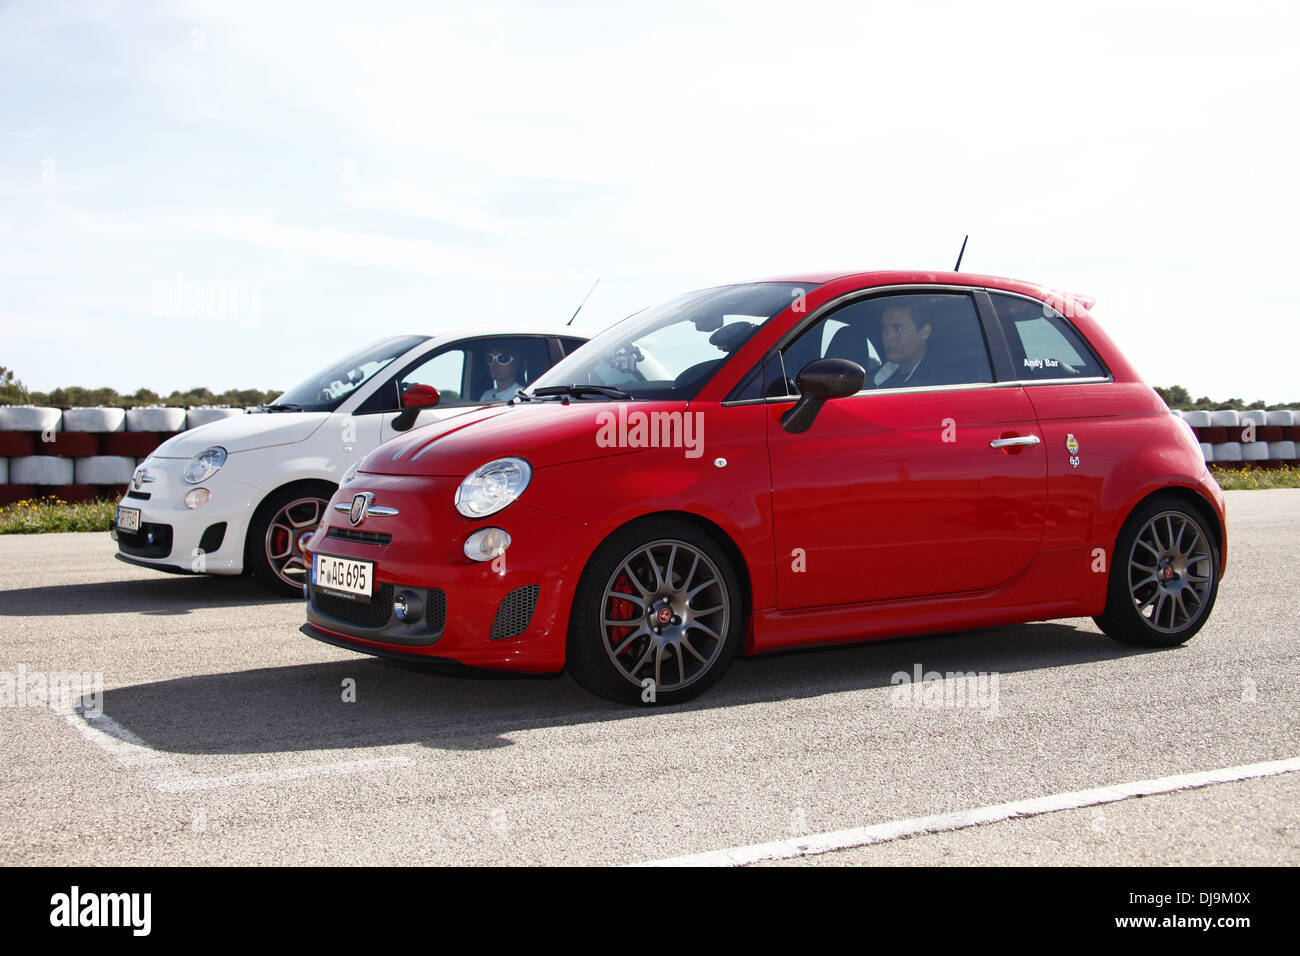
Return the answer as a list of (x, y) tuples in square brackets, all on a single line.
[(1164, 576), (657, 617), (271, 551)]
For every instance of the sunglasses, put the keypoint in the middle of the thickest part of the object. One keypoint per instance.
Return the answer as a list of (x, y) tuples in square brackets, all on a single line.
[(500, 359)]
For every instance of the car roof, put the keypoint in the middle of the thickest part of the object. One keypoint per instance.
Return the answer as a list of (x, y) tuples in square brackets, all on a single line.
[(928, 277), (503, 329)]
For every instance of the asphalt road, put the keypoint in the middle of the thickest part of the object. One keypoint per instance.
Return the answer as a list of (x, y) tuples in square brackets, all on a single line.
[(225, 736)]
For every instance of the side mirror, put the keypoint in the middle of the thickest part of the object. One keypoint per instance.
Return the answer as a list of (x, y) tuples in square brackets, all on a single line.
[(819, 382), (415, 398), (420, 396)]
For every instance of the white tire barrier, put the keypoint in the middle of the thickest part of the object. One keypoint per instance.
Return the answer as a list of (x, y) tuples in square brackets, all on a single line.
[(4, 471), (40, 470), (1224, 418), (29, 418), (1256, 415), (155, 418), (1283, 418), (1197, 419), (1281, 450), (204, 415), (94, 420), (1227, 451), (1207, 452), (103, 470), (1254, 451)]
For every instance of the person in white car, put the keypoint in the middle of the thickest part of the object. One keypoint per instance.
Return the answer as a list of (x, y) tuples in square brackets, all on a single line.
[(504, 369)]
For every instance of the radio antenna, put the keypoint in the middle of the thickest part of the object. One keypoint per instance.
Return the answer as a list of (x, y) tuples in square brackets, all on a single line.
[(582, 303), (957, 267)]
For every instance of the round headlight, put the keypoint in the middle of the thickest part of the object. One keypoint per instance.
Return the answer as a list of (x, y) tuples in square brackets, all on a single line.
[(351, 472), (492, 487), (205, 464)]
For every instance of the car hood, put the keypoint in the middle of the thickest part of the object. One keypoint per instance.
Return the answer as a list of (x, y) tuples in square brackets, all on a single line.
[(543, 433), (243, 433)]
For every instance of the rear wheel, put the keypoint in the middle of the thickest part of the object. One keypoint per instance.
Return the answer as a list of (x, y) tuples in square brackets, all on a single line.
[(271, 549), (658, 615), (1164, 576)]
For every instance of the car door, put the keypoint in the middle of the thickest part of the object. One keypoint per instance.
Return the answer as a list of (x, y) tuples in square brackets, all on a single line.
[(927, 486)]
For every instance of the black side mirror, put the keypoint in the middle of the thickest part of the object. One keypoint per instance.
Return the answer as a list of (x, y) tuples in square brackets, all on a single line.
[(819, 382)]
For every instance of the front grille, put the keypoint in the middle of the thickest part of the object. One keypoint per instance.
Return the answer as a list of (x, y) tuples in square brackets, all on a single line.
[(151, 541), (435, 609), (373, 615), (515, 612), (364, 537)]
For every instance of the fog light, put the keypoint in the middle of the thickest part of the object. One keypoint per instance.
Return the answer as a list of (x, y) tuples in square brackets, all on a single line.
[(197, 498), (486, 543), (406, 606)]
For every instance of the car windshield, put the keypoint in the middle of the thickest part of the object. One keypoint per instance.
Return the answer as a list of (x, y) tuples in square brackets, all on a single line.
[(671, 350), (325, 390)]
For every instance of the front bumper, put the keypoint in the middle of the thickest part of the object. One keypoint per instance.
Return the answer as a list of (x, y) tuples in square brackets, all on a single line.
[(509, 614), (204, 540)]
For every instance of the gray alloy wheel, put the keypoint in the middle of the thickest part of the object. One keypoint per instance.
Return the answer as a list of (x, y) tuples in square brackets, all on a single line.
[(1169, 570), (665, 615)]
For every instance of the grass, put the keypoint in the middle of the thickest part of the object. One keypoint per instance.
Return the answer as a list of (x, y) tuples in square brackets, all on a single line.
[(48, 514), (1252, 479)]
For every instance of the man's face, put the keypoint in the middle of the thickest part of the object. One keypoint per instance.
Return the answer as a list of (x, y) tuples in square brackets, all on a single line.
[(904, 342), (502, 372)]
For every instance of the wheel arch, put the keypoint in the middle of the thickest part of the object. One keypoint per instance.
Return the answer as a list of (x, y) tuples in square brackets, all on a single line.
[(298, 484), (1191, 497)]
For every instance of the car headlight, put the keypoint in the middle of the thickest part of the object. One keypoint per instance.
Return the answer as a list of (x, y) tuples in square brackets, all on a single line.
[(351, 472), (205, 464), (491, 487)]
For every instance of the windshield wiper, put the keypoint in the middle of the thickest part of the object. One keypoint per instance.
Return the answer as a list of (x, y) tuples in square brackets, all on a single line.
[(282, 408), (577, 391), (520, 396)]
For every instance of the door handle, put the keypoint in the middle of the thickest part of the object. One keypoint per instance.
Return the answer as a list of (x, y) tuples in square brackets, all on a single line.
[(1019, 440)]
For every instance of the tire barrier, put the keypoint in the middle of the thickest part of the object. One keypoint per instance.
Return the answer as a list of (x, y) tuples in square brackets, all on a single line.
[(1250, 437), (80, 454), (94, 420), (155, 418), (103, 470), (41, 470)]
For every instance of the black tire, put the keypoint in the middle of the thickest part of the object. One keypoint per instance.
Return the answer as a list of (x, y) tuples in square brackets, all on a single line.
[(262, 546), (1164, 575), (669, 567)]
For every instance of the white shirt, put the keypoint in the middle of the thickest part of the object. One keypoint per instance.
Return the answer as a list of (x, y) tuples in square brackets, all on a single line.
[(889, 368)]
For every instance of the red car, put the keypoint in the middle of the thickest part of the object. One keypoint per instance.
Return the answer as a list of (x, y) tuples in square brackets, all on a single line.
[(781, 464)]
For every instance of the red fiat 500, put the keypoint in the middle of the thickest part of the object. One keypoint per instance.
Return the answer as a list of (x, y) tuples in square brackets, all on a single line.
[(774, 465)]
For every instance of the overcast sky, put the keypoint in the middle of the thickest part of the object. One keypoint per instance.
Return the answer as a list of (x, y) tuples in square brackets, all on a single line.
[(324, 174)]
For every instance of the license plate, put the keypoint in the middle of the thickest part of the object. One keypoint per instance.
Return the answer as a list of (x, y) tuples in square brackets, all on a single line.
[(343, 575), (128, 519)]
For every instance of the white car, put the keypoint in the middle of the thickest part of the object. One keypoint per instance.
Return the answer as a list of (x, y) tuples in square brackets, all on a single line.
[(237, 495)]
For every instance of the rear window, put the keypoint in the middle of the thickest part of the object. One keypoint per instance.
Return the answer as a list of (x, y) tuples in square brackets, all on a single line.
[(1044, 346)]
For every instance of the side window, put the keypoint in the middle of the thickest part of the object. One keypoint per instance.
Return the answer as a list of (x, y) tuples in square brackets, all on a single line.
[(1043, 345), (444, 370), (908, 340), (500, 366)]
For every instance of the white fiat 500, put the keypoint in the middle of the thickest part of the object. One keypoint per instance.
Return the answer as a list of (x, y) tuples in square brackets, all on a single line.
[(236, 495)]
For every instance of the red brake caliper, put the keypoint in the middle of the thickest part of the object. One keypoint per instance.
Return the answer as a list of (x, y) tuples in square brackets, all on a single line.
[(622, 611), (279, 540)]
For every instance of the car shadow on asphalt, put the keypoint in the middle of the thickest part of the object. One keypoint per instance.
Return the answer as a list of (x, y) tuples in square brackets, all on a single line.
[(303, 707), (161, 596)]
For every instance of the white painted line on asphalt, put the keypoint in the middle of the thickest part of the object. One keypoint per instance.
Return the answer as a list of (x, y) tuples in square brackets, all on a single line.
[(157, 770), (960, 820)]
